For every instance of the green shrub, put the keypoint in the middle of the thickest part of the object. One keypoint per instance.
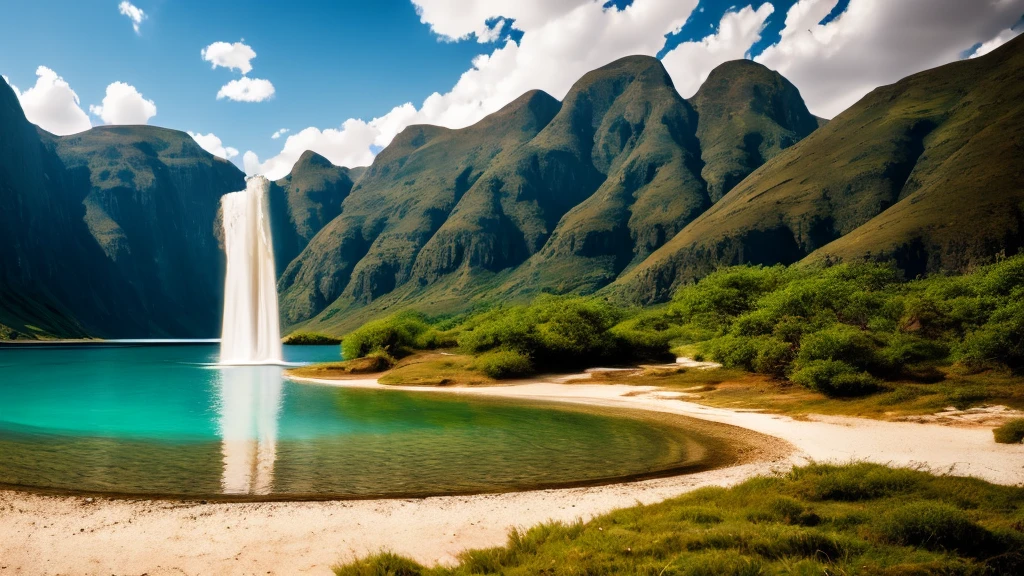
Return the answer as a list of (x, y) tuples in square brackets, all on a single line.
[(999, 342), (840, 342), (933, 525), (1010, 433), (311, 339), (395, 335), (433, 339), (501, 363), (835, 379), (773, 356)]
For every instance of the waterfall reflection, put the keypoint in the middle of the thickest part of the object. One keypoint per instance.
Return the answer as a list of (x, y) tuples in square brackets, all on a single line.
[(250, 399)]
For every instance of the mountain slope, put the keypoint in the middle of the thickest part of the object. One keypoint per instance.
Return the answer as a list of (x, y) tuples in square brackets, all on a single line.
[(673, 159), (108, 232), (926, 170), (304, 201), (152, 195), (542, 195), (398, 204)]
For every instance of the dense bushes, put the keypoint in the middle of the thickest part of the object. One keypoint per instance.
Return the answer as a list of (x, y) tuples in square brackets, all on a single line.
[(553, 333), (503, 363), (395, 335), (842, 330)]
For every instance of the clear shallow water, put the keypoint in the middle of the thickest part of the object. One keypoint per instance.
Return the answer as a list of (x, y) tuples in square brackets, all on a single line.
[(162, 420)]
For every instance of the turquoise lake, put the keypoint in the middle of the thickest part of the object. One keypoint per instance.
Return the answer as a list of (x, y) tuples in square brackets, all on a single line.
[(165, 421)]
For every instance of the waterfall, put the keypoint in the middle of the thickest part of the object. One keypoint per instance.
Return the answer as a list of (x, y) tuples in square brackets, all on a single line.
[(251, 333)]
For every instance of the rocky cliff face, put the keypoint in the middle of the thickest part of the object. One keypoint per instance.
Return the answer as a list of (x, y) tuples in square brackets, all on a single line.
[(110, 231)]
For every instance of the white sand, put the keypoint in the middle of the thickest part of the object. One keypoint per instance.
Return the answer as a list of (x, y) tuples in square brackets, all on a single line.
[(68, 535)]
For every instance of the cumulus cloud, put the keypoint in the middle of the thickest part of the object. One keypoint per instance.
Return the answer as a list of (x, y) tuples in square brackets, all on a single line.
[(123, 104), (279, 133), (251, 163), (1000, 39), (561, 41), (237, 56), (212, 144), (134, 13), (877, 42), (454, 20), (52, 105), (347, 146), (689, 63), (874, 42), (246, 89)]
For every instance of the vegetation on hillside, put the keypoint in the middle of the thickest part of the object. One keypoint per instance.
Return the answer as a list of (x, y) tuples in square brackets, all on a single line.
[(924, 171), (311, 339), (843, 330), (817, 519)]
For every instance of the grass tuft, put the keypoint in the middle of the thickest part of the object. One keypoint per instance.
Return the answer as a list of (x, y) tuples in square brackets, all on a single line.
[(1010, 433)]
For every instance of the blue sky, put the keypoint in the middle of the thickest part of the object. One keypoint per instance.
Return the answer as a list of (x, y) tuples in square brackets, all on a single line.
[(330, 61), (327, 60)]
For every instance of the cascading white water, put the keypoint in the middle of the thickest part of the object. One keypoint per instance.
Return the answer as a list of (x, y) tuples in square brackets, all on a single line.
[(251, 333)]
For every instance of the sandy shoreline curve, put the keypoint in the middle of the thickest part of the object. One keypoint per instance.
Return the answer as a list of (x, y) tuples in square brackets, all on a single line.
[(42, 534)]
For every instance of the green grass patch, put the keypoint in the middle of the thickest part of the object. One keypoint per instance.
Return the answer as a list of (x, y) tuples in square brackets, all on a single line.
[(436, 369), (1010, 433), (373, 364), (817, 519)]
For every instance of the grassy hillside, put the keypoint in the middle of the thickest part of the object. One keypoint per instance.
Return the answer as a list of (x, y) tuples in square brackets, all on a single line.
[(399, 204), (541, 196), (304, 201), (926, 171), (109, 232)]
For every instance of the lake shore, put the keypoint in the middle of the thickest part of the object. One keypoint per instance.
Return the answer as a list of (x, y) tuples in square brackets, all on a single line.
[(76, 535)]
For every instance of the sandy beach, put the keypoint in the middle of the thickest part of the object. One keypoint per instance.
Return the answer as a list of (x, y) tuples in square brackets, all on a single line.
[(42, 534)]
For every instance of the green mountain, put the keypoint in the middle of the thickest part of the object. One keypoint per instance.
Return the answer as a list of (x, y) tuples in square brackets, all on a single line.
[(304, 201), (926, 171), (542, 195), (109, 232), (624, 187)]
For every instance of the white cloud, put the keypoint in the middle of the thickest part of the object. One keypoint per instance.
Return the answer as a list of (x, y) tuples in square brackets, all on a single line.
[(251, 163), (212, 144), (237, 56), (52, 105), (689, 63), (134, 13), (874, 42), (1000, 39), (877, 42), (246, 89), (123, 104), (562, 40), (279, 133), (348, 146)]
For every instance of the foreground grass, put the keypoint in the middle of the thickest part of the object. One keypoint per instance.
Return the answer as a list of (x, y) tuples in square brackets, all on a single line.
[(818, 519), (738, 389)]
